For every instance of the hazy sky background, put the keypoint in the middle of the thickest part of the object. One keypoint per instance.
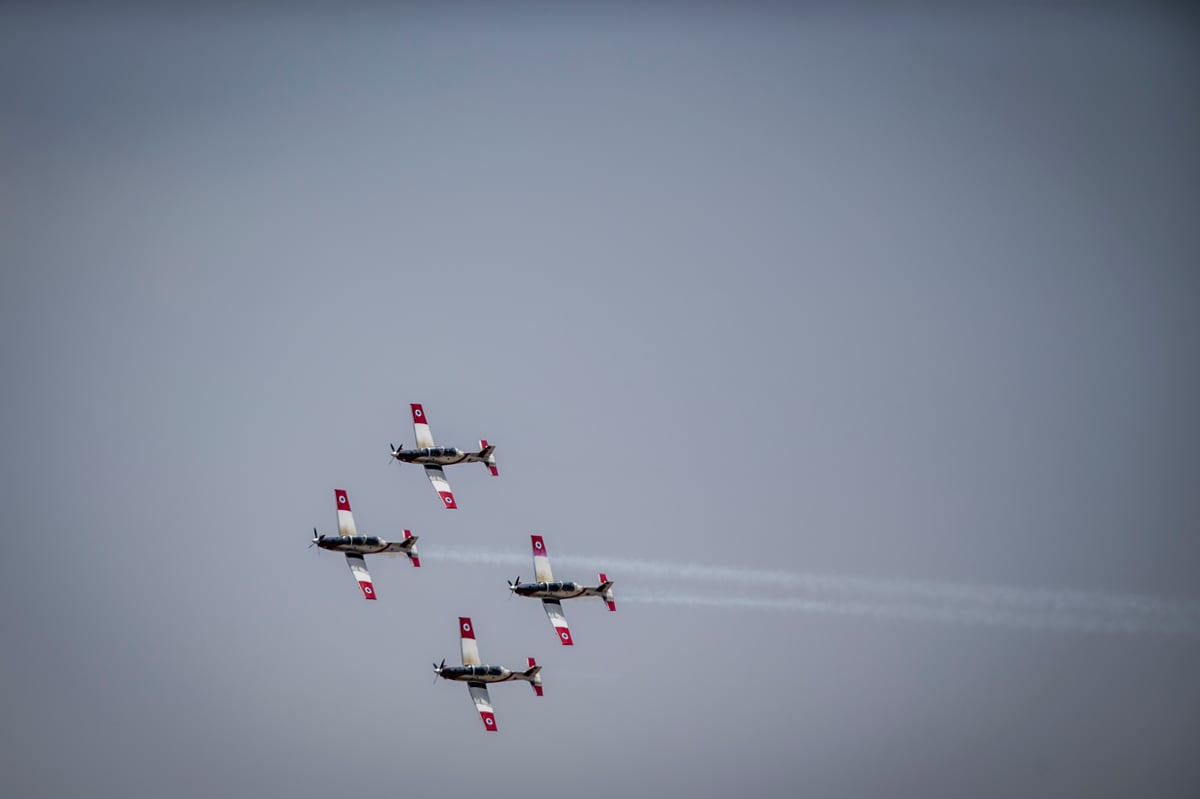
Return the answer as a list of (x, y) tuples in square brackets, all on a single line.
[(906, 294)]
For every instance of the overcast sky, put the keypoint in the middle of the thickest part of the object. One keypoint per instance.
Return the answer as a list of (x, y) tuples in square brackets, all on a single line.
[(879, 295)]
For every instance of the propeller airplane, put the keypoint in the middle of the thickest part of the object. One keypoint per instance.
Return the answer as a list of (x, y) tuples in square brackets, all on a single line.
[(356, 546), (433, 458), (477, 675), (552, 592)]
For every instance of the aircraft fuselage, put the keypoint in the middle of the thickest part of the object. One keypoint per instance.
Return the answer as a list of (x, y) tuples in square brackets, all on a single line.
[(554, 590), (478, 673), (363, 544), (437, 456)]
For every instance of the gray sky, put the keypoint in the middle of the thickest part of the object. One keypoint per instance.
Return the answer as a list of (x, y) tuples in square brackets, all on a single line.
[(900, 295)]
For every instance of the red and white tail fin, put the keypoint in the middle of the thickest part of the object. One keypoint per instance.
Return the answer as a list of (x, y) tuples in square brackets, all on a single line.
[(485, 452), (358, 567), (541, 560), (345, 517), (534, 675), (411, 549), (421, 427), (606, 593), (470, 649)]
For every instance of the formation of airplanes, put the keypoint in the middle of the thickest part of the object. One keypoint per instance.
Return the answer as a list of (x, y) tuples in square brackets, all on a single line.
[(476, 674)]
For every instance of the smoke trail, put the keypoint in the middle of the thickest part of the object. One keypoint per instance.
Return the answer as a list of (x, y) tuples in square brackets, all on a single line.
[(945, 614), (1030, 608)]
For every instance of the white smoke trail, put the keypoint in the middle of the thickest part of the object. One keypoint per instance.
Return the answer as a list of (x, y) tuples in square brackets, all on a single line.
[(1031, 608), (946, 614)]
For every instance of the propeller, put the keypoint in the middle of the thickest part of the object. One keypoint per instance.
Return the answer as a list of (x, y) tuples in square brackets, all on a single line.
[(512, 586), (437, 670), (316, 538)]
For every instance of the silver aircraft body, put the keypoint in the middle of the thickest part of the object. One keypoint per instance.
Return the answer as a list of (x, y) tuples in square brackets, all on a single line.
[(355, 546), (552, 591), (477, 675), (433, 458)]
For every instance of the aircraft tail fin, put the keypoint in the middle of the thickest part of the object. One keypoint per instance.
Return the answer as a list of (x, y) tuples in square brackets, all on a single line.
[(486, 451), (534, 675), (410, 548), (605, 592)]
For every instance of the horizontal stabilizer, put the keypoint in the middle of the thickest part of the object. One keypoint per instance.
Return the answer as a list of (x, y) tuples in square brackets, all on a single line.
[(485, 452), (606, 592), (534, 675), (410, 548)]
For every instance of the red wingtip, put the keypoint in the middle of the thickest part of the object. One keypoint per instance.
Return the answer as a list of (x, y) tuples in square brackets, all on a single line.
[(495, 471), (465, 627), (343, 499), (565, 636), (416, 562), (611, 605), (539, 546), (489, 720), (537, 689)]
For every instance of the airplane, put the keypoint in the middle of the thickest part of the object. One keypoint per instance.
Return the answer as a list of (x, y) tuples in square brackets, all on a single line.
[(434, 458), (477, 675), (552, 592), (355, 546)]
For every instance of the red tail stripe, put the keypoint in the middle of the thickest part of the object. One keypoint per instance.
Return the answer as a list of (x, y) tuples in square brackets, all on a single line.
[(343, 499), (465, 628)]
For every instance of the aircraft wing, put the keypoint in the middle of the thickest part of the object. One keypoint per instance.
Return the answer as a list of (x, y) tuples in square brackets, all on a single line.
[(345, 517), (441, 485), (358, 567), (479, 695), (541, 560), (421, 427), (554, 612), (470, 649)]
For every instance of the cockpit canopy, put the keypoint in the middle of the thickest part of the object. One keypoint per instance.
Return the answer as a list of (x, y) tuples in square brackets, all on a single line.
[(356, 540), (562, 586), (443, 452)]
